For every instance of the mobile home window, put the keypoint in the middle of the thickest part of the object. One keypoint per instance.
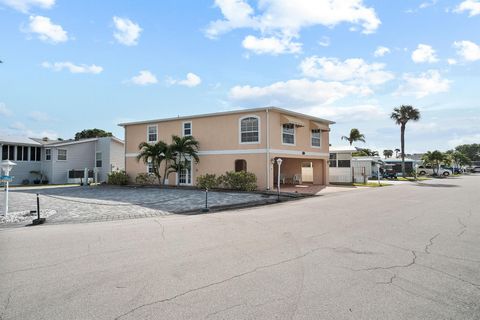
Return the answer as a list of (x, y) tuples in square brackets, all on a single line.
[(19, 153), (316, 138), (62, 154), (48, 154), (288, 133), (344, 163), (39, 154), (98, 159), (333, 160), (152, 133), (187, 129), (33, 153), (249, 132)]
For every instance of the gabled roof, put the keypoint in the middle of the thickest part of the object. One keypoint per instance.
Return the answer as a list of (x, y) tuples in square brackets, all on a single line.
[(205, 115)]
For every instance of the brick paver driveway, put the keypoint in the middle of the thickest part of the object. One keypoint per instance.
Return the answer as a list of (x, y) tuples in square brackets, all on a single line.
[(84, 204)]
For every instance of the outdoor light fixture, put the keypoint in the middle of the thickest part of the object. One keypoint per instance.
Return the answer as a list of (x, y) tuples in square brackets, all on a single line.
[(149, 159), (279, 163), (6, 166)]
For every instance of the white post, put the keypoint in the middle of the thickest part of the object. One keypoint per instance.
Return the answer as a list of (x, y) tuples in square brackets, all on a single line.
[(378, 173), (279, 163), (6, 200), (85, 176), (7, 166)]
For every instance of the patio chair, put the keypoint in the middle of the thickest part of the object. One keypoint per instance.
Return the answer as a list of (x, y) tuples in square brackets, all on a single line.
[(297, 179)]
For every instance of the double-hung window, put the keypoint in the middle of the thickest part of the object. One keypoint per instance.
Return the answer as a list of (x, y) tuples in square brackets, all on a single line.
[(48, 154), (98, 159), (316, 138), (249, 130), (288, 133), (152, 133), (62, 154), (187, 129), (333, 160), (150, 168)]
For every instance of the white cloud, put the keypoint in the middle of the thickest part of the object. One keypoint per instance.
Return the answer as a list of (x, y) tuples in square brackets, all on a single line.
[(468, 50), (191, 80), (353, 70), (284, 19), (4, 111), (347, 114), (25, 5), (271, 45), (39, 116), (46, 30), (381, 51), (471, 138), (144, 78), (427, 4), (297, 92), (127, 32), (73, 68), (325, 42), (424, 53), (472, 6), (451, 61), (427, 83)]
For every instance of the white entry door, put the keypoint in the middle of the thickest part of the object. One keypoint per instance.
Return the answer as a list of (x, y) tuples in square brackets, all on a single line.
[(185, 175)]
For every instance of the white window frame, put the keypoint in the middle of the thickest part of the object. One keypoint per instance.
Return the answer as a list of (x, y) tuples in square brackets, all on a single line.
[(96, 159), (49, 154), (190, 172), (183, 129), (294, 135), (240, 129), (150, 166), (23, 153), (311, 138), (66, 155), (156, 133)]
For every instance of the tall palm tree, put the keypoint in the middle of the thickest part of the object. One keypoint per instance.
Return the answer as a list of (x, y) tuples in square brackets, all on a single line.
[(183, 149), (154, 154), (397, 151), (401, 116), (355, 135), (387, 153)]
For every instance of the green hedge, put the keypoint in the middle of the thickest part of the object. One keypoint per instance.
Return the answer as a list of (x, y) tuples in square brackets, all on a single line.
[(208, 181), (117, 178), (242, 181), (145, 178)]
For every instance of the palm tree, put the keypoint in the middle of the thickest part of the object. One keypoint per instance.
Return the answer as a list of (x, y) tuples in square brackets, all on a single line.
[(153, 154), (397, 151), (401, 116), (387, 153), (435, 159), (365, 153), (355, 135), (183, 149)]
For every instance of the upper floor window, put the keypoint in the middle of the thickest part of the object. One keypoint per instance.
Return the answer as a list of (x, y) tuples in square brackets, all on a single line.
[(152, 133), (98, 159), (187, 129), (316, 138), (288, 133), (249, 130), (62, 154), (48, 154)]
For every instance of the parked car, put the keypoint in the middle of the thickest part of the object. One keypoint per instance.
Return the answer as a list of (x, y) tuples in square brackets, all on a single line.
[(453, 170), (476, 169), (424, 170)]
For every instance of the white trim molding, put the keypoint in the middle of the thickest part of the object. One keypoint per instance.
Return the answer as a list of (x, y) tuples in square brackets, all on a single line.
[(250, 151), (156, 133), (258, 129), (183, 128)]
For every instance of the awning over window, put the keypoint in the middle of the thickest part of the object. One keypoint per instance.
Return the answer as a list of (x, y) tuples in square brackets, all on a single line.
[(289, 119), (318, 125)]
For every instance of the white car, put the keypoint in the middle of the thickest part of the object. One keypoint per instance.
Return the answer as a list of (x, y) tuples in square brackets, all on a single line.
[(424, 170)]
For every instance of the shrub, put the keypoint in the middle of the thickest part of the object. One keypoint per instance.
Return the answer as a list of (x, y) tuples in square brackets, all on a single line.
[(242, 180), (25, 181), (208, 181), (145, 178), (118, 177)]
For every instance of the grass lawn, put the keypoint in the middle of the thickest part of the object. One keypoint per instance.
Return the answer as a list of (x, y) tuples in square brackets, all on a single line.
[(372, 184)]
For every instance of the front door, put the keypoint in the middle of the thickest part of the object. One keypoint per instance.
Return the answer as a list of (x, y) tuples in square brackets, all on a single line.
[(185, 175)]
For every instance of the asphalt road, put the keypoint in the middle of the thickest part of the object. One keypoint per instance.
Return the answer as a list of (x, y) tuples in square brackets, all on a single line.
[(400, 252)]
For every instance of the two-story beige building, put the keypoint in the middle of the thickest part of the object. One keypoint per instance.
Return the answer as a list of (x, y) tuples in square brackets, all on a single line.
[(250, 139)]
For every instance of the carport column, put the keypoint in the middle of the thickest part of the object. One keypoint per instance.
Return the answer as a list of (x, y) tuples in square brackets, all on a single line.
[(85, 176)]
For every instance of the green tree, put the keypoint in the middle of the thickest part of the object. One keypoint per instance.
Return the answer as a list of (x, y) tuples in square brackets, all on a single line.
[(435, 159), (92, 133), (402, 115), (154, 154), (354, 136), (183, 150), (365, 153), (387, 153), (459, 159), (471, 151)]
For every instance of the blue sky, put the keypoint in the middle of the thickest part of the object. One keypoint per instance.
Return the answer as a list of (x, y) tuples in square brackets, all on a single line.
[(71, 65)]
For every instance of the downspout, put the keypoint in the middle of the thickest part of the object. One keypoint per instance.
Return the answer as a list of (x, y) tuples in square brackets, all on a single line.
[(268, 149)]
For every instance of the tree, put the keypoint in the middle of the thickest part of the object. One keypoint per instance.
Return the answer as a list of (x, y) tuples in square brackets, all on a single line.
[(435, 159), (459, 159), (402, 115), (471, 151), (92, 133), (365, 153), (154, 154), (183, 149), (387, 153), (354, 136), (397, 151)]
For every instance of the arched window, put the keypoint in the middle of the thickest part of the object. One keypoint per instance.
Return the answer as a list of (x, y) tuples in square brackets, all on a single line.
[(240, 165), (249, 130)]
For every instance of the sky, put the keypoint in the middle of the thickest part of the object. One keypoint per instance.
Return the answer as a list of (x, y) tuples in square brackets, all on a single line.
[(71, 65)]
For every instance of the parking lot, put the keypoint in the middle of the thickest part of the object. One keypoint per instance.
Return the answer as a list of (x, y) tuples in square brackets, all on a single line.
[(85, 204)]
